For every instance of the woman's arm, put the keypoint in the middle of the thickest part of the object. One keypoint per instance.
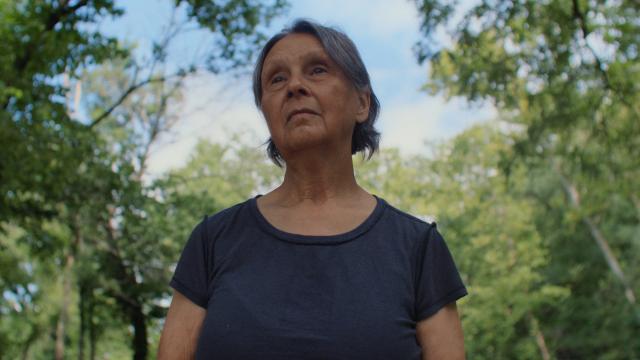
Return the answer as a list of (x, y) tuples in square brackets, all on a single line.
[(181, 329), (440, 335)]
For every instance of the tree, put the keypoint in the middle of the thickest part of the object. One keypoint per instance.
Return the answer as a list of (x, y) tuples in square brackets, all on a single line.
[(225, 173), (44, 40), (41, 42), (74, 186), (564, 77), (490, 230)]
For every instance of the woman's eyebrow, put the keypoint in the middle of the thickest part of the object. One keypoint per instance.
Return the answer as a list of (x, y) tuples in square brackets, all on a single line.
[(319, 56), (277, 63), (273, 65)]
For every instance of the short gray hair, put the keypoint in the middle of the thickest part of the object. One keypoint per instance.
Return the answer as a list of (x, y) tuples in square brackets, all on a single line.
[(345, 54)]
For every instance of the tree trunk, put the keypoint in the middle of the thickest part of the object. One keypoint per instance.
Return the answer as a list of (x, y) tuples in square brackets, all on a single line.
[(66, 288), (26, 347), (138, 320), (540, 341), (601, 241), (83, 320), (92, 330), (127, 297), (64, 306)]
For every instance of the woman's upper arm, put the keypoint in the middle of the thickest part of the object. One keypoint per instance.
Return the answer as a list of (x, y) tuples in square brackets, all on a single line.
[(440, 335), (181, 329)]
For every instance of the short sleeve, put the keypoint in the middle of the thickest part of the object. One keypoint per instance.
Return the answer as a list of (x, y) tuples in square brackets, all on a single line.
[(191, 275), (438, 280)]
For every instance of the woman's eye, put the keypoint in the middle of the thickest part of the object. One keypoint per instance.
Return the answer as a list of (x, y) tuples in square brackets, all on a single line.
[(318, 70), (277, 79)]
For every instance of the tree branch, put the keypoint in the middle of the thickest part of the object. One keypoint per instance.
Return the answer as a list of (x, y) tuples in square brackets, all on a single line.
[(54, 18), (62, 12), (601, 241), (124, 96), (156, 128), (599, 65), (540, 341)]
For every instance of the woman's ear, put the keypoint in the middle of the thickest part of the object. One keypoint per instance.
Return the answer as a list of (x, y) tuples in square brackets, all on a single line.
[(364, 101)]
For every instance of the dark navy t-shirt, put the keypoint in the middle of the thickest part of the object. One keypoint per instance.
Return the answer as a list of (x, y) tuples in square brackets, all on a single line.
[(270, 294)]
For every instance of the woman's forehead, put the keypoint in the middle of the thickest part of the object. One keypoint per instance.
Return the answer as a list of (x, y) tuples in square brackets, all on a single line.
[(295, 46)]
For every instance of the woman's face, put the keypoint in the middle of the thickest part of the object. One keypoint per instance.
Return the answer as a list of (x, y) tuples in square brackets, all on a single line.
[(307, 100)]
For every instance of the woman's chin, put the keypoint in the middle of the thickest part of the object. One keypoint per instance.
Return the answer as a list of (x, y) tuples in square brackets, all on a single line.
[(299, 143)]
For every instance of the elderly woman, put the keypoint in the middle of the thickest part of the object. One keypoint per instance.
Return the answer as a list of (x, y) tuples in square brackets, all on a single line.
[(318, 268)]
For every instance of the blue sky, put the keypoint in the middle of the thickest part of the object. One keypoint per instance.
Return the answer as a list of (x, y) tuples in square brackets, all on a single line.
[(383, 30)]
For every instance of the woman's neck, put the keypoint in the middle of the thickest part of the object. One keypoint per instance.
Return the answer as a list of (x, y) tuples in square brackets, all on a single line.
[(318, 179)]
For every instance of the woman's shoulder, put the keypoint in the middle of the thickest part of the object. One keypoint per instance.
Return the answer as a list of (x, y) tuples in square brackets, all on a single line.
[(419, 222), (221, 219)]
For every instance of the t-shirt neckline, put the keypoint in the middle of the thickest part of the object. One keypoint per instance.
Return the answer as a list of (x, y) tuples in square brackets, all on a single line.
[(365, 226)]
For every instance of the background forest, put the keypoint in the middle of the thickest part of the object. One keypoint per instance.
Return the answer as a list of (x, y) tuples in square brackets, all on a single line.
[(540, 207)]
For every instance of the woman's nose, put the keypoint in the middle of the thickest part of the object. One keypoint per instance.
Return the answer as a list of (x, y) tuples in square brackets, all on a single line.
[(296, 87)]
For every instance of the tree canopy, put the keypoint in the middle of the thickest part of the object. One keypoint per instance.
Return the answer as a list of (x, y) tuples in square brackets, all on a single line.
[(564, 77), (540, 207), (79, 223)]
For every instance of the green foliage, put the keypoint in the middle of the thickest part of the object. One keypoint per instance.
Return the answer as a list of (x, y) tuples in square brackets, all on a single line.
[(225, 173), (564, 76), (490, 229), (502, 252), (47, 44), (239, 24), (87, 243), (41, 42)]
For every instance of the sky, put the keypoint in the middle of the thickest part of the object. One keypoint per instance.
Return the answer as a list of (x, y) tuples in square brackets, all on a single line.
[(383, 30)]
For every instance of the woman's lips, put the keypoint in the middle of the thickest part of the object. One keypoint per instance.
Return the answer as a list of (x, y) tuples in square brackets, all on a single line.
[(297, 113)]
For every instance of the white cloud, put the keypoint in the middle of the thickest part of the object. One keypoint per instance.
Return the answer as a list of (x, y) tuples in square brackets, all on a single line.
[(384, 31), (213, 109), (376, 18), (407, 125)]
